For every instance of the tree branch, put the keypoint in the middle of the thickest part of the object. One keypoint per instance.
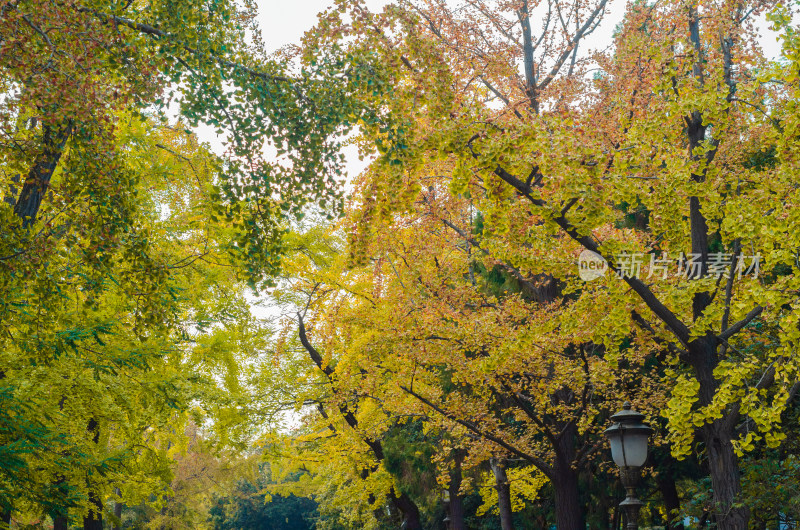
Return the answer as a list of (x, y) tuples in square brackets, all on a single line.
[(156, 32), (736, 328), (527, 53), (678, 328), (539, 463), (572, 44)]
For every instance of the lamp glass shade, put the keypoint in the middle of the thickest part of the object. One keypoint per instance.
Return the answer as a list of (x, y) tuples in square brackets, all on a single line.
[(629, 449)]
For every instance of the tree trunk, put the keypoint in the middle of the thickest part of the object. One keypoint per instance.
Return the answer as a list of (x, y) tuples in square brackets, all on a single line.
[(717, 436), (672, 501), (411, 519), (5, 516), (456, 501), (569, 511), (60, 523), (94, 519), (724, 467), (38, 180), (118, 511), (503, 493)]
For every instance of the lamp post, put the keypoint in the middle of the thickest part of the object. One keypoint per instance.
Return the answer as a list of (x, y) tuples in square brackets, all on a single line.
[(628, 440)]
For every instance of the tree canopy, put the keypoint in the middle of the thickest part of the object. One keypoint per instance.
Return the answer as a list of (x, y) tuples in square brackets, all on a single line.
[(439, 345)]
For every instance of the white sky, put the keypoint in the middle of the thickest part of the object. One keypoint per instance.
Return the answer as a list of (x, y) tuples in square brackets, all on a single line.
[(284, 22)]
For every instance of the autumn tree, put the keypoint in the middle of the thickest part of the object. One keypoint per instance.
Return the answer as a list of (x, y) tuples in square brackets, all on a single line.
[(125, 336), (527, 379), (338, 444), (111, 277), (564, 142), (422, 331)]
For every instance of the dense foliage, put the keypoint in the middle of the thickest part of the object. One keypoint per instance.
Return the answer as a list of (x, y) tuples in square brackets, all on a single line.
[(435, 349)]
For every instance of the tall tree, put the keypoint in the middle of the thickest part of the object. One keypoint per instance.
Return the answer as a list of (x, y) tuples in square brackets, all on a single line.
[(106, 353), (68, 67), (109, 275), (666, 130)]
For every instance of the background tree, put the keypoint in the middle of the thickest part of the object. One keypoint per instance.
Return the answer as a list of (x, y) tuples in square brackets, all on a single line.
[(123, 333), (117, 268)]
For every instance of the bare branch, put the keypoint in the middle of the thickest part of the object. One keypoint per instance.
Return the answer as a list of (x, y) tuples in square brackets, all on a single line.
[(572, 44), (736, 328)]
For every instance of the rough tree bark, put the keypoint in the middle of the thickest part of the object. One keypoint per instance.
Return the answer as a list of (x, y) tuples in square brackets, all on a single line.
[(456, 500), (570, 513), (410, 511), (503, 493), (723, 463), (33, 189)]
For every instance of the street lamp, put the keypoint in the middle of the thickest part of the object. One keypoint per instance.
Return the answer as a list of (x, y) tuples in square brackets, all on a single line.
[(628, 440)]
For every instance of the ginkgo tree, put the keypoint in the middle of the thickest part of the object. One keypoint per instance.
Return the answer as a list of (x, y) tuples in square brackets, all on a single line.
[(507, 147), (340, 448), (68, 67), (682, 124), (119, 271), (109, 353), (421, 332)]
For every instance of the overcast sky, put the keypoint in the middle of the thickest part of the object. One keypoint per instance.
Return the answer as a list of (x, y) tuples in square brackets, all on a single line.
[(284, 22)]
